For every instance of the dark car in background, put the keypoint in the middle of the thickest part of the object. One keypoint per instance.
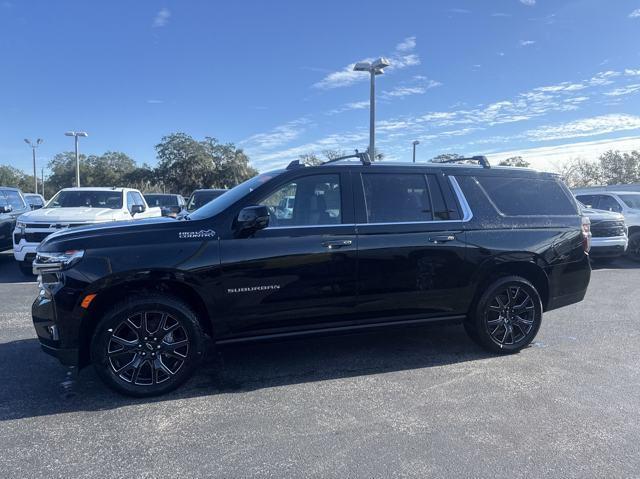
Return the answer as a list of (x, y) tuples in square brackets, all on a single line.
[(200, 198), (171, 205), (12, 205), (34, 200), (365, 246)]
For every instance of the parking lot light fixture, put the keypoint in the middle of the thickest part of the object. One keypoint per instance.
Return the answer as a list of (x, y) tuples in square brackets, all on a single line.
[(77, 134), (415, 143), (374, 68)]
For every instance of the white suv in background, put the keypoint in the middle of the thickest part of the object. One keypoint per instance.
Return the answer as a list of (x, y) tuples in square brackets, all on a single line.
[(625, 202), (72, 207)]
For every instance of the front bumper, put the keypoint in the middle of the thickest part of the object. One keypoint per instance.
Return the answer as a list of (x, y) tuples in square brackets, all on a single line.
[(24, 251), (57, 338), (601, 247)]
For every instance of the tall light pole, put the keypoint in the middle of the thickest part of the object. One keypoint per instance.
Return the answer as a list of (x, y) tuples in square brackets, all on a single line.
[(42, 176), (33, 146), (76, 134), (415, 143), (374, 68)]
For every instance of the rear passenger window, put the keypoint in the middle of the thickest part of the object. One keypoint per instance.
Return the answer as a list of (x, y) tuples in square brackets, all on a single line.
[(527, 196), (394, 198)]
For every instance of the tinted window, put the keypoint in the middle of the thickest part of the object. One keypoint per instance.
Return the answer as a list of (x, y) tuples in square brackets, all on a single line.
[(527, 196), (608, 203), (161, 200), (200, 198), (392, 198), (14, 199), (92, 199), (588, 200), (311, 200), (632, 201), (34, 200), (444, 203)]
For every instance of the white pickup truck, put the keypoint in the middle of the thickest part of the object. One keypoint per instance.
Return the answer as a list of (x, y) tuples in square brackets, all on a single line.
[(75, 207)]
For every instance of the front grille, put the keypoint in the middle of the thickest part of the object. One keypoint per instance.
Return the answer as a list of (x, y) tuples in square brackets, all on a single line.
[(607, 229), (36, 237)]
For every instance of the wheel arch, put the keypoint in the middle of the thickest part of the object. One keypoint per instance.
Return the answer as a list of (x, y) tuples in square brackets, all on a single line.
[(529, 270), (110, 295)]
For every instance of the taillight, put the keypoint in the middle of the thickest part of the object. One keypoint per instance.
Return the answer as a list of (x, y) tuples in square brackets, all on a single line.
[(586, 234)]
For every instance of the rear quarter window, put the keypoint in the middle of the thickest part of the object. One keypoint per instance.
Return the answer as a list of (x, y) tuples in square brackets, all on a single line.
[(527, 196)]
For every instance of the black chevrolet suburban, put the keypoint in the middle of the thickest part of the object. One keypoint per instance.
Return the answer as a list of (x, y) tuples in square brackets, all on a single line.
[(360, 246)]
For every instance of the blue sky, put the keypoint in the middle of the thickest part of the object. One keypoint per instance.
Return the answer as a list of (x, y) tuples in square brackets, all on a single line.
[(548, 79)]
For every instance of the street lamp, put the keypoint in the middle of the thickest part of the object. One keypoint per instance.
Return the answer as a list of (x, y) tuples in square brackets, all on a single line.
[(33, 149), (415, 143), (374, 68), (76, 134)]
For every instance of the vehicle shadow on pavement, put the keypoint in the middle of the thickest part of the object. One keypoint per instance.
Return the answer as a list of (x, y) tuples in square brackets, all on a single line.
[(614, 263), (9, 271), (31, 380)]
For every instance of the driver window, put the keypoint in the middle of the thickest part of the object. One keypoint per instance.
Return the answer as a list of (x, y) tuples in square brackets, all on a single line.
[(310, 200)]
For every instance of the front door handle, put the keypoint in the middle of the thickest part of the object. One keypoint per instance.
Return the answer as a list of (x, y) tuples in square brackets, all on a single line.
[(335, 244), (441, 238)]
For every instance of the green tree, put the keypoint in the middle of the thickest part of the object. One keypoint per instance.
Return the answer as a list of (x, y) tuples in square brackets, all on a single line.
[(446, 157), (515, 161), (619, 168)]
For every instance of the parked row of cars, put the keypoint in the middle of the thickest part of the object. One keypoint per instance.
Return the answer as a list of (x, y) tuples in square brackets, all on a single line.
[(25, 221)]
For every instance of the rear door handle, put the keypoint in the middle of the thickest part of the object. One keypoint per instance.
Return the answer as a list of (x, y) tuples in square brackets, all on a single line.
[(336, 244), (441, 238)]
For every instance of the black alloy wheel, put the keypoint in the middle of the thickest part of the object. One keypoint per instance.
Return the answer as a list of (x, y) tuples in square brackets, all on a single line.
[(147, 347), (507, 316)]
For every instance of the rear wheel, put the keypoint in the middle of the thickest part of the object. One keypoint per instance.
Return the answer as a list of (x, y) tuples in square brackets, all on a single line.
[(148, 346), (507, 316)]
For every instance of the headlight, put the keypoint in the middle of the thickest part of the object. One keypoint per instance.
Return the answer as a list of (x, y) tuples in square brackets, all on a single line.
[(20, 226), (49, 262)]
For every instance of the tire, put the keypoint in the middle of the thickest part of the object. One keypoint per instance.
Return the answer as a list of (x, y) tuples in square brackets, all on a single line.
[(633, 250), (25, 268), (507, 316), (136, 362)]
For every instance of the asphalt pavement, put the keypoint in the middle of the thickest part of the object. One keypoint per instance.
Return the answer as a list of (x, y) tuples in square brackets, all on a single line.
[(418, 402)]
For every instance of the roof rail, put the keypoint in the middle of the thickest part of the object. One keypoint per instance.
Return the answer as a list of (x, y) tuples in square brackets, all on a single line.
[(363, 157), (295, 164), (481, 160)]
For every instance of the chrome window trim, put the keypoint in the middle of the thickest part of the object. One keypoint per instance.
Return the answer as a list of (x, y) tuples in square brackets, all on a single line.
[(467, 214)]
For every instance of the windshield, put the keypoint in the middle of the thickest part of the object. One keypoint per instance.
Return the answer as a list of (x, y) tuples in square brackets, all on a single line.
[(632, 201), (231, 196), (161, 200), (200, 198), (87, 199)]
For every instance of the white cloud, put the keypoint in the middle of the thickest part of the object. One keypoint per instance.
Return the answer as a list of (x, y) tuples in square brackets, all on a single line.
[(420, 86), (528, 3), (625, 90), (399, 59), (597, 125), (631, 73), (354, 105), (161, 18), (635, 13), (550, 157), (279, 136), (406, 45), (526, 43), (155, 101)]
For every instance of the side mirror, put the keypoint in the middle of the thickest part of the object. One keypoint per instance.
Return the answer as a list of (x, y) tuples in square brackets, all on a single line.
[(6, 209), (135, 209), (252, 219)]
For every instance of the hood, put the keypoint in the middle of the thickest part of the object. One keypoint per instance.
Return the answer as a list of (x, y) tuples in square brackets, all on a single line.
[(145, 231), (601, 215), (70, 215)]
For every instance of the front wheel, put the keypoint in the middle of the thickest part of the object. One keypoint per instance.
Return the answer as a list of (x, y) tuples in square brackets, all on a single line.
[(25, 268), (633, 250), (148, 346), (507, 316)]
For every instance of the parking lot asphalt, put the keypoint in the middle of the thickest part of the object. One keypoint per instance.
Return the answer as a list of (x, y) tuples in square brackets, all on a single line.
[(419, 402)]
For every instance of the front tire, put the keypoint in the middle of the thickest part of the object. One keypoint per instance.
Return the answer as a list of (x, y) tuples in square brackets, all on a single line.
[(25, 268), (147, 346), (507, 316), (633, 250)]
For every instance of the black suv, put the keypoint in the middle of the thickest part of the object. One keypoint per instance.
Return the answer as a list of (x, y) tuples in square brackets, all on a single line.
[(12, 205), (361, 246)]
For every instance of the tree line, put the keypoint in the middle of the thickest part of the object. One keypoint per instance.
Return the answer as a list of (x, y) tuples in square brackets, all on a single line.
[(184, 164)]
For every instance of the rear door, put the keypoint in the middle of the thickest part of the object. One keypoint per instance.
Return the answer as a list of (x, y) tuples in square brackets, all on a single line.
[(411, 244), (300, 271)]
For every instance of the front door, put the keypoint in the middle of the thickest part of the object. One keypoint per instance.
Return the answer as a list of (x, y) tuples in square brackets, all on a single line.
[(300, 271)]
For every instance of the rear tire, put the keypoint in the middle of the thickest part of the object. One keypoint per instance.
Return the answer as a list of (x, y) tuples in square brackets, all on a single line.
[(147, 346), (507, 316)]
